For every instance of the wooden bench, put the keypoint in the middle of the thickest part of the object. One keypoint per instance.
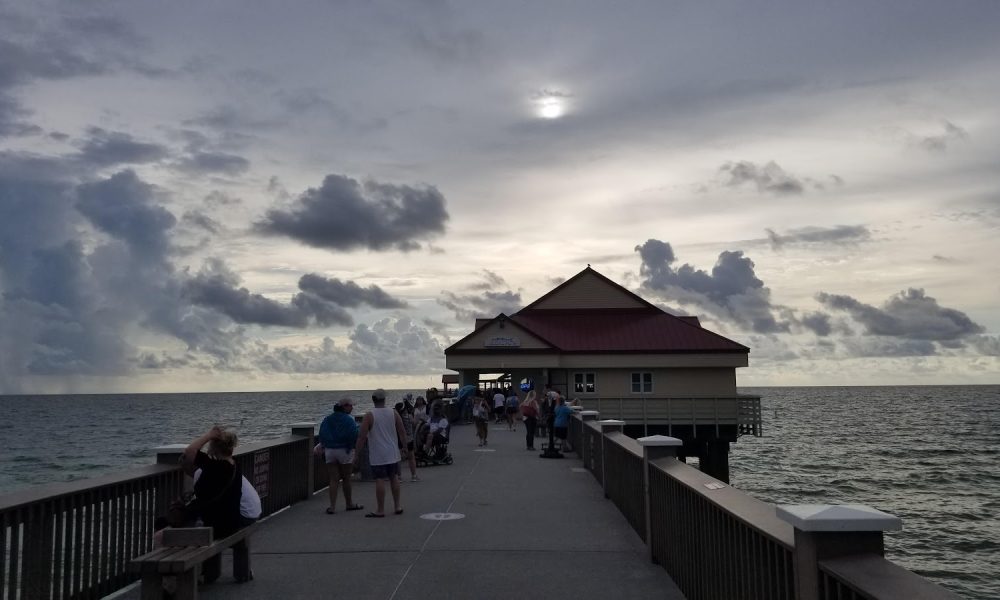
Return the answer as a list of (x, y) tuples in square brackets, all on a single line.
[(184, 550)]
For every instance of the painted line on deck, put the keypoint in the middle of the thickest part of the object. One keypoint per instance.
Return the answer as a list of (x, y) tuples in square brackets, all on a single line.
[(423, 547)]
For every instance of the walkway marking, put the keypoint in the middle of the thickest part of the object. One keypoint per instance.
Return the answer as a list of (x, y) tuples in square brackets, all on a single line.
[(436, 525), (578, 469), (447, 516), (484, 450)]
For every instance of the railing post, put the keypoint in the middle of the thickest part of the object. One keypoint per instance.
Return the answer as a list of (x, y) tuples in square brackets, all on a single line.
[(654, 447), (583, 449), (308, 430), (827, 531), (607, 425), (169, 454)]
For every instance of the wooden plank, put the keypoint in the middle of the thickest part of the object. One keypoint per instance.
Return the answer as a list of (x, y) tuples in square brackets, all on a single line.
[(3, 553), (188, 536), (15, 536), (105, 542), (57, 564), (78, 524)]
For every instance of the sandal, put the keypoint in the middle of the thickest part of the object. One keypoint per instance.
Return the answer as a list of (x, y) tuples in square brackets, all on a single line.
[(374, 516), (354, 507), (399, 511), (330, 511)]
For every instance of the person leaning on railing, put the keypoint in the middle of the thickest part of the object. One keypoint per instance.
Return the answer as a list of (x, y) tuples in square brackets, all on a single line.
[(217, 490)]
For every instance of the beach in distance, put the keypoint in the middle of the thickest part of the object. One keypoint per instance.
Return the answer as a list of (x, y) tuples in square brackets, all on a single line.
[(927, 454)]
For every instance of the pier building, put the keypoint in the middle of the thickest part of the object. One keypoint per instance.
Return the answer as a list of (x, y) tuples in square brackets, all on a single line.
[(592, 339)]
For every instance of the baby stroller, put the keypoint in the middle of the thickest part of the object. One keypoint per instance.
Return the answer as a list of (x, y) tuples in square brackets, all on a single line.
[(438, 454)]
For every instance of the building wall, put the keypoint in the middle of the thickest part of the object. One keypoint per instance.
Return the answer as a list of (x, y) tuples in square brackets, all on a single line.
[(478, 339), (488, 361), (677, 383), (590, 292)]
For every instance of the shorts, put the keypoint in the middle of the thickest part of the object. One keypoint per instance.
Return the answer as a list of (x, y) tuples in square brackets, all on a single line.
[(560, 432), (498, 410), (385, 471), (511, 410), (338, 456)]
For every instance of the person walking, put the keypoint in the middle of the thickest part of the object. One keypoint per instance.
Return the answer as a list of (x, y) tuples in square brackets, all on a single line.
[(382, 431), (338, 434), (481, 415), (499, 400), (512, 411), (560, 425), (529, 413), (405, 410)]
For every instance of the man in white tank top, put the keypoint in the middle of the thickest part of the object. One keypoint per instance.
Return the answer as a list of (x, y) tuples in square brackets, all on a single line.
[(382, 429)]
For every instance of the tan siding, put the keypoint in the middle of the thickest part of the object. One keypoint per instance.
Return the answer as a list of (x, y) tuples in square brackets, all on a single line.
[(476, 341), (486, 363), (590, 291), (677, 383)]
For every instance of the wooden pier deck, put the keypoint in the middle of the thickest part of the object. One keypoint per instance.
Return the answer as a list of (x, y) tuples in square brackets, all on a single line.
[(532, 528)]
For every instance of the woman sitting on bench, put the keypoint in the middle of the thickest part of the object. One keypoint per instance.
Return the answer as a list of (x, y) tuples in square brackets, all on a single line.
[(218, 491)]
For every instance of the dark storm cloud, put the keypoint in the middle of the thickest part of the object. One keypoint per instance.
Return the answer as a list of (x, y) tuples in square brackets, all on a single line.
[(838, 234), (488, 299), (732, 290), (769, 178), (348, 293), (216, 287), (346, 215), (125, 207), (206, 163), (911, 315), (103, 148), (818, 323)]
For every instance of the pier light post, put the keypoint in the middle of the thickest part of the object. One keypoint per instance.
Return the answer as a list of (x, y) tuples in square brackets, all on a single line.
[(654, 447), (607, 426), (824, 531), (585, 450), (308, 430)]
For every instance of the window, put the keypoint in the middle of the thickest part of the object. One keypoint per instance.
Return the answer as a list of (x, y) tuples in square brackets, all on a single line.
[(584, 383), (642, 383)]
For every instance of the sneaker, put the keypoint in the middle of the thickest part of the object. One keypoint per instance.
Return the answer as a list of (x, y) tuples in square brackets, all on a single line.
[(414, 479)]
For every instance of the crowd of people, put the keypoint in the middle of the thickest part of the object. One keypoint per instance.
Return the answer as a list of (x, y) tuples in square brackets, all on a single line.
[(226, 501)]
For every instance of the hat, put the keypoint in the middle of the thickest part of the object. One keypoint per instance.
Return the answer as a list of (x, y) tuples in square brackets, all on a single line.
[(378, 394)]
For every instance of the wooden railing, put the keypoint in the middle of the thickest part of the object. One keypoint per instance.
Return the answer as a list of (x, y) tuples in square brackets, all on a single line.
[(718, 543), (75, 540), (698, 416)]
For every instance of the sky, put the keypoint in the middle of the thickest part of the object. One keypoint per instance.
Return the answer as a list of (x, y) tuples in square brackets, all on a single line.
[(202, 196)]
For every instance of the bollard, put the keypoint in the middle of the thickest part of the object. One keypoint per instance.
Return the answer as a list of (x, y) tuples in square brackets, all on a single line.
[(308, 430), (607, 425), (828, 531), (654, 447)]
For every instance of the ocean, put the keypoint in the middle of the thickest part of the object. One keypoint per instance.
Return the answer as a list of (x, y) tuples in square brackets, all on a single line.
[(928, 455)]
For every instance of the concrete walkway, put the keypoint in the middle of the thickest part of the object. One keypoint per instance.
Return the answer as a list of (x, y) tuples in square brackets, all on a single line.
[(532, 528)]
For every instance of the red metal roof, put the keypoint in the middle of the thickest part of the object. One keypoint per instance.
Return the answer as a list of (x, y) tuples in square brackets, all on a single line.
[(622, 330)]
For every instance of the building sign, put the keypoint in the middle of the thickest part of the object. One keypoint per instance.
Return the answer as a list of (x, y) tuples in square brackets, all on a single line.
[(502, 341), (261, 472)]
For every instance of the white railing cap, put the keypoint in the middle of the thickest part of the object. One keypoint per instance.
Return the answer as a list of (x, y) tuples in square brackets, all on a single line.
[(659, 440), (589, 412), (577, 408), (170, 448), (301, 425), (611, 422), (837, 517)]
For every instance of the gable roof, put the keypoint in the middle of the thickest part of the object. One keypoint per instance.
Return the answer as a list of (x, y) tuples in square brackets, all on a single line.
[(641, 328)]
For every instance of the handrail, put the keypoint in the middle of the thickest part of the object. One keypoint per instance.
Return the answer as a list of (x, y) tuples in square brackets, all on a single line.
[(55, 491), (872, 577)]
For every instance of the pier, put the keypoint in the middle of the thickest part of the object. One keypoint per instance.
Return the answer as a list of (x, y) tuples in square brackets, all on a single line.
[(619, 516)]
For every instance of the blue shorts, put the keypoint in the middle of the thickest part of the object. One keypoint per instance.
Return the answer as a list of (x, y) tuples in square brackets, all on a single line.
[(385, 471)]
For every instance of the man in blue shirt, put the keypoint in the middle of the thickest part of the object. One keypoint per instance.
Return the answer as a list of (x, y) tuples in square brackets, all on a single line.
[(560, 426), (338, 434)]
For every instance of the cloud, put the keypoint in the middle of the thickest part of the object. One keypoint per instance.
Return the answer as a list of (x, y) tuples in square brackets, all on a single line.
[(203, 163), (910, 314), (344, 214), (732, 290), (768, 179), (216, 287), (124, 207), (818, 323), (196, 218), (838, 234), (491, 299), (387, 347), (104, 148), (986, 344), (940, 143), (348, 293)]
